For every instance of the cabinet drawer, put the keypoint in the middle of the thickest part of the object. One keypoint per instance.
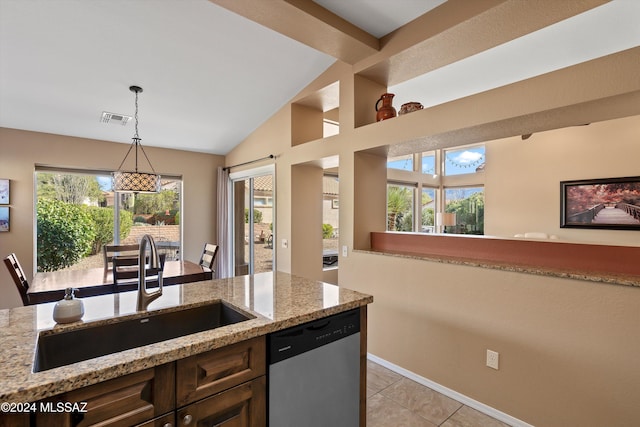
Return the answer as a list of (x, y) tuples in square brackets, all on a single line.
[(123, 401), (243, 405), (167, 420), (205, 374)]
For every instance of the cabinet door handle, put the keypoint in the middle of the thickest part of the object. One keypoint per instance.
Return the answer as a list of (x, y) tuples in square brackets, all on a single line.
[(186, 420), (168, 425)]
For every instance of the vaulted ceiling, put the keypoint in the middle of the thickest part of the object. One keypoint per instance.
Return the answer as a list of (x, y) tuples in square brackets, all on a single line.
[(213, 71)]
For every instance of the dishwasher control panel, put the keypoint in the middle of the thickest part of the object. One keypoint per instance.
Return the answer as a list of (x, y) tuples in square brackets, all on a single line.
[(299, 339)]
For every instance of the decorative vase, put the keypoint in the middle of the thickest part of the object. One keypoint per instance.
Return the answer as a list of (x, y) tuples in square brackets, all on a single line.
[(386, 111), (410, 107)]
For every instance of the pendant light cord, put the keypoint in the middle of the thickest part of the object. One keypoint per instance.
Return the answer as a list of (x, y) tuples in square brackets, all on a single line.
[(136, 138)]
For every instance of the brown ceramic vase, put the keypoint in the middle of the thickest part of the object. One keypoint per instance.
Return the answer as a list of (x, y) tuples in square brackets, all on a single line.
[(386, 111)]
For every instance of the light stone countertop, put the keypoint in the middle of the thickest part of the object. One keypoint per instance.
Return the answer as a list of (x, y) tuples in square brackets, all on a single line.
[(277, 300)]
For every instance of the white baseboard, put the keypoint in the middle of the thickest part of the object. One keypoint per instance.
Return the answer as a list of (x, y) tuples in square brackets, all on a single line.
[(479, 406)]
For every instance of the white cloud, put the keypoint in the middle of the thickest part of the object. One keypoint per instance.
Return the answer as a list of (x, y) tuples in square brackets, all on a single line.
[(467, 157)]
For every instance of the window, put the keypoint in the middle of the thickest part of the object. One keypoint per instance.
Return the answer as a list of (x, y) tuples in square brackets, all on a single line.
[(400, 207), (401, 162), (429, 163), (447, 181), (464, 161), (468, 205), (155, 214), (76, 215), (429, 204)]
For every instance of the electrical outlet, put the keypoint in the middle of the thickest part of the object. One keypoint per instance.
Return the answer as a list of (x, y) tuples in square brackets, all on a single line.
[(493, 358), (345, 251)]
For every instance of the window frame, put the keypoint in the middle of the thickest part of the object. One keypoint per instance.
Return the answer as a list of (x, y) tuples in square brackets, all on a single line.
[(438, 180), (39, 168)]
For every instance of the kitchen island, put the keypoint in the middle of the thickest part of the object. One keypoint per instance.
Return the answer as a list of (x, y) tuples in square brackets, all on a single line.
[(273, 301)]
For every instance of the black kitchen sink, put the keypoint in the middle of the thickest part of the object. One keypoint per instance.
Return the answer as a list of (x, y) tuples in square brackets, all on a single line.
[(55, 349)]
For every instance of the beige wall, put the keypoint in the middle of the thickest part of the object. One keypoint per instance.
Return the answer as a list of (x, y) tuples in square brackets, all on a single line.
[(522, 190), (20, 151), (568, 348)]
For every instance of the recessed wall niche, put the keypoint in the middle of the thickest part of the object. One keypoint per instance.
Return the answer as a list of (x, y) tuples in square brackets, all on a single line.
[(316, 115)]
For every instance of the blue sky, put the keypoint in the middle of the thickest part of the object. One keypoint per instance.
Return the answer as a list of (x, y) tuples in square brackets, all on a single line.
[(457, 162), (105, 182)]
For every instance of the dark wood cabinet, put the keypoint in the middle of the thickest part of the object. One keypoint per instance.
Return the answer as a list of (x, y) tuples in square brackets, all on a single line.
[(205, 374), (241, 406), (222, 387), (167, 420), (126, 401)]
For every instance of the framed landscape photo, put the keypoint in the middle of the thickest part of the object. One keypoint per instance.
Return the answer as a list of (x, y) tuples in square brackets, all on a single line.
[(610, 203), (4, 191), (4, 218)]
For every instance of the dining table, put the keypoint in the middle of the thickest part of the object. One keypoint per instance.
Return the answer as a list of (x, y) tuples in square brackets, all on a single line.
[(50, 286)]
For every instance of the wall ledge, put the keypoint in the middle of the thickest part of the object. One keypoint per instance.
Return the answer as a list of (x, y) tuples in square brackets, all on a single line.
[(595, 263)]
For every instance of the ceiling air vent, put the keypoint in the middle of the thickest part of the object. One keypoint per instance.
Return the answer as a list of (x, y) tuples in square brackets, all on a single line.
[(114, 118)]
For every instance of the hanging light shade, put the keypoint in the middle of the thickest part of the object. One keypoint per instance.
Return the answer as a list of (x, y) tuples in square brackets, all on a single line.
[(135, 181)]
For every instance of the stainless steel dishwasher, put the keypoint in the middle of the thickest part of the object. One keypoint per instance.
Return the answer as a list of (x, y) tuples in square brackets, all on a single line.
[(314, 373)]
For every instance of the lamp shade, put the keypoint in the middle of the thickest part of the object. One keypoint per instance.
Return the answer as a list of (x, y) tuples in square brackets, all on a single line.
[(136, 182), (446, 219)]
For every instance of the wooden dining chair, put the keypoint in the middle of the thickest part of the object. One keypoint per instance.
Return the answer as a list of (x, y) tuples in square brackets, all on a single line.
[(12, 263), (126, 269), (209, 256), (109, 251)]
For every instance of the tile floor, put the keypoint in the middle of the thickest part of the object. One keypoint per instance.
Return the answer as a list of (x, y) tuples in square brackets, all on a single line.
[(396, 401)]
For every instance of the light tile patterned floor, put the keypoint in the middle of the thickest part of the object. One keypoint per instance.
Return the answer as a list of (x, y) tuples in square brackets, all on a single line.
[(396, 401)]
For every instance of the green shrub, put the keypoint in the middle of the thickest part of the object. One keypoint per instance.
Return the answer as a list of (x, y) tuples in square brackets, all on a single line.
[(65, 234), (103, 220), (327, 231), (139, 219), (257, 216)]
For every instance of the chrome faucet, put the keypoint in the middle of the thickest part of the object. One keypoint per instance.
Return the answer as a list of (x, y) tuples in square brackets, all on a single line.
[(145, 298)]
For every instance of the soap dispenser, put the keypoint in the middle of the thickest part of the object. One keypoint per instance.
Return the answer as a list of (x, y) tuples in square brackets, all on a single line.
[(69, 309)]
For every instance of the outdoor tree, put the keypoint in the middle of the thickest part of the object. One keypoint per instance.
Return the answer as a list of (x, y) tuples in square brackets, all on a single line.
[(150, 203), (469, 212), (75, 189), (398, 205)]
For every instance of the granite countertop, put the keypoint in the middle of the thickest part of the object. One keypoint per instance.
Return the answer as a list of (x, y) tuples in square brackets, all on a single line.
[(277, 300)]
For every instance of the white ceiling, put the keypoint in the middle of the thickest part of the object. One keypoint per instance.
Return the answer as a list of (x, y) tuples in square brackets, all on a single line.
[(379, 17), (211, 77)]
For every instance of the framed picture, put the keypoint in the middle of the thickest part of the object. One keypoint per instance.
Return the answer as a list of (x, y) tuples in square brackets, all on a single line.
[(4, 218), (335, 204), (4, 191), (611, 203)]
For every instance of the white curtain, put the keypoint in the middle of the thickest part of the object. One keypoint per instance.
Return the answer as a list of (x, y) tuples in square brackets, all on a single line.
[(223, 226)]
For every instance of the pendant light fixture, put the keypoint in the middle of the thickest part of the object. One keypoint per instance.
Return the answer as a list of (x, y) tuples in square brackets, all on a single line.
[(136, 182)]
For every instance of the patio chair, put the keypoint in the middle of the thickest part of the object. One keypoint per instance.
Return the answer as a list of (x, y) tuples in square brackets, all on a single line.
[(12, 263)]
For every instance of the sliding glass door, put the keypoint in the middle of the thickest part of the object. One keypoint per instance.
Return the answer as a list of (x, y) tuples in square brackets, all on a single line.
[(253, 221)]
